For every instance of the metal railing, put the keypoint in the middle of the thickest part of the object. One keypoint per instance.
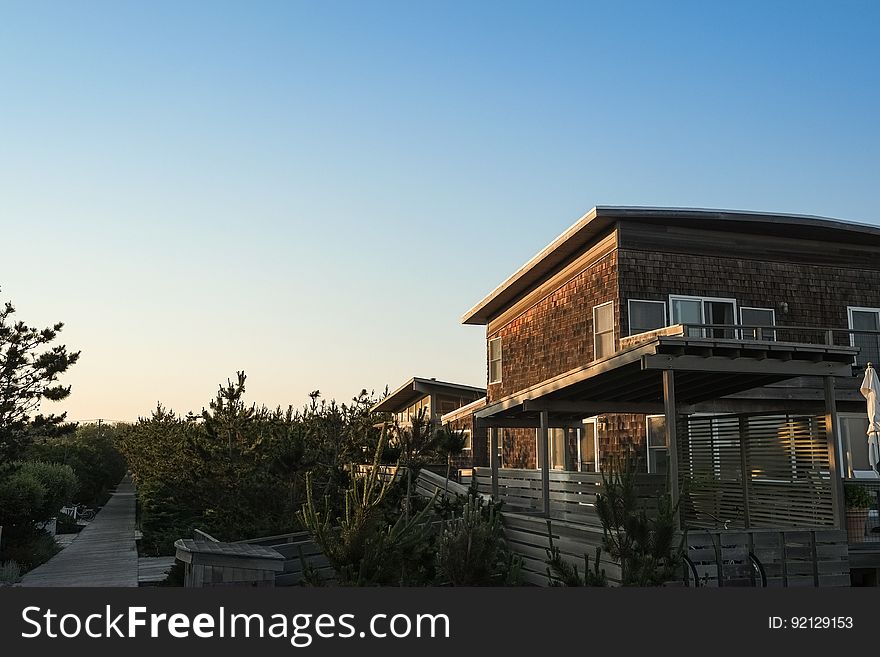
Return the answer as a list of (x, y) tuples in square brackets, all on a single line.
[(868, 341)]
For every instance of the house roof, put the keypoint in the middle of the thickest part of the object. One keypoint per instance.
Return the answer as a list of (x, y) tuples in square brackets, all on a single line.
[(418, 387), (600, 219)]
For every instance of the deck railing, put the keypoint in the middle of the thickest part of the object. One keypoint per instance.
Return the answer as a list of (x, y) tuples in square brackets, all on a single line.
[(572, 494), (867, 340)]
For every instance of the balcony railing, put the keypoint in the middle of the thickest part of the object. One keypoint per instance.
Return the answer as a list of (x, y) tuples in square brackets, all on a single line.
[(868, 341)]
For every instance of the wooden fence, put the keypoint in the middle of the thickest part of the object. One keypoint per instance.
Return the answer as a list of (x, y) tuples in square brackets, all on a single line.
[(528, 536), (764, 557), (781, 557), (572, 494), (713, 558)]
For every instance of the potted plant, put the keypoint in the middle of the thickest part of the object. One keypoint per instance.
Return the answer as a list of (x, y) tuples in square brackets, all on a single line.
[(858, 501)]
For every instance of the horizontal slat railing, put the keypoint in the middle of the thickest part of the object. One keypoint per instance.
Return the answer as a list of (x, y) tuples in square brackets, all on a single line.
[(527, 536), (784, 558), (754, 471), (572, 494)]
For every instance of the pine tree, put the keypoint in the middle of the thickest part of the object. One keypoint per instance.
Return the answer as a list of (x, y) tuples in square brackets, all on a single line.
[(29, 371)]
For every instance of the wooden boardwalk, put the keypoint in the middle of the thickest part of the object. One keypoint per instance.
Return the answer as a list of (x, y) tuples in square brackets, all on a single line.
[(103, 554)]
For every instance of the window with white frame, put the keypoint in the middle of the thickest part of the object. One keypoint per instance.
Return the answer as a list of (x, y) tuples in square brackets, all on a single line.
[(865, 319), (704, 310), (588, 446), (495, 360), (645, 315), (757, 317), (603, 330), (657, 443)]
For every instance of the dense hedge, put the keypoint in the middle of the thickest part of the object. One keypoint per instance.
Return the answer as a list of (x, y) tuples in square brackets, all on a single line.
[(238, 471), (91, 453), (31, 493)]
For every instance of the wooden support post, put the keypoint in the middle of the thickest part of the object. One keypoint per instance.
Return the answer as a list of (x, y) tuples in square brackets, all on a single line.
[(832, 434), (672, 439), (493, 460), (544, 454), (745, 473)]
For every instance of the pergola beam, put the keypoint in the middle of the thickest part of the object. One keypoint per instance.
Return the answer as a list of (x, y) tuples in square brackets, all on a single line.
[(524, 423), (590, 408), (769, 366)]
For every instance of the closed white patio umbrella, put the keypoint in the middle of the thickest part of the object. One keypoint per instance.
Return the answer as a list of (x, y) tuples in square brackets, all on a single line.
[(871, 391)]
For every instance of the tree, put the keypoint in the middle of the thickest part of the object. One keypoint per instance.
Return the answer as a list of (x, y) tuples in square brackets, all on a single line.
[(29, 371), (645, 545), (450, 443)]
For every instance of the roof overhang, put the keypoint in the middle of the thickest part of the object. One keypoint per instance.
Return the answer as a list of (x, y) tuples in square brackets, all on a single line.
[(418, 387), (630, 381), (601, 219)]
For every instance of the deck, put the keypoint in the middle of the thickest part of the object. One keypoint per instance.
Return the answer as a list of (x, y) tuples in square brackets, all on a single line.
[(103, 554)]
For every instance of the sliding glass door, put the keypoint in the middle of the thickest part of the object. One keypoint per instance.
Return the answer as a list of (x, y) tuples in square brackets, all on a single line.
[(704, 310)]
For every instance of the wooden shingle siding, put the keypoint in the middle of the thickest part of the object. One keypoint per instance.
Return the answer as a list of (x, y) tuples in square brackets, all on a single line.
[(556, 333), (478, 455), (817, 293)]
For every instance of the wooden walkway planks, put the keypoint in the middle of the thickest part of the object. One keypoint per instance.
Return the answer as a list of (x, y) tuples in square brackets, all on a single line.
[(103, 554), (153, 570)]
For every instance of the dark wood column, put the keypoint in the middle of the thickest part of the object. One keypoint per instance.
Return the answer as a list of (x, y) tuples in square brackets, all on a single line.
[(543, 454), (671, 413), (493, 459)]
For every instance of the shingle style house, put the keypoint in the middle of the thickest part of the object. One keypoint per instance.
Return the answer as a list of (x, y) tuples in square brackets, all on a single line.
[(622, 271), (435, 399), (721, 349)]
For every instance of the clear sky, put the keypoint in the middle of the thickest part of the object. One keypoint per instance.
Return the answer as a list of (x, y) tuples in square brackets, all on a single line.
[(315, 192)]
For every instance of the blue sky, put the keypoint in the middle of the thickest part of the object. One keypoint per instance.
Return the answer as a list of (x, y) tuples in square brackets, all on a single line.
[(315, 192)]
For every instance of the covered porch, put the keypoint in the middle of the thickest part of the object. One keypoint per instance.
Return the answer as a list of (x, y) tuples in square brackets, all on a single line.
[(746, 474)]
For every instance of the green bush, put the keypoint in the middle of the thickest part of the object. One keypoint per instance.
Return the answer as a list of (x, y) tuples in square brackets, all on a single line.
[(472, 550), (858, 497), (59, 484), (645, 545), (91, 452), (21, 496), (31, 493), (30, 547)]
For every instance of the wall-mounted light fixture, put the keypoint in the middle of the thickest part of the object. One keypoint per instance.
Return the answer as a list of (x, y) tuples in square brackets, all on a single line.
[(783, 307)]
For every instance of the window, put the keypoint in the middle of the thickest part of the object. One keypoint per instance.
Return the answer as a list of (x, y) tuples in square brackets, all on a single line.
[(448, 405), (468, 441), (421, 407), (646, 315), (865, 319), (495, 360), (658, 444), (588, 447), (603, 330), (557, 446), (704, 310), (854, 443), (757, 317)]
